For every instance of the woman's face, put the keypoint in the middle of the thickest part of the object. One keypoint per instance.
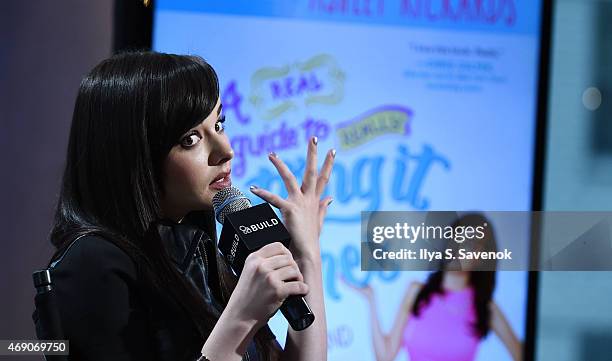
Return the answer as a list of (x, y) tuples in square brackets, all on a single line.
[(197, 167)]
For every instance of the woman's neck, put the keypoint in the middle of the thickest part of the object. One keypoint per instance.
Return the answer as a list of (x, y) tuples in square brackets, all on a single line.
[(455, 280)]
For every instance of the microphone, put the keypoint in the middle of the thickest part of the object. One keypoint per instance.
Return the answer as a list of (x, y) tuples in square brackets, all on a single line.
[(246, 229)]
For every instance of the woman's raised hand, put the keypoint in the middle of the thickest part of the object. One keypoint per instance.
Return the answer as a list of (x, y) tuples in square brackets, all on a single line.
[(303, 210)]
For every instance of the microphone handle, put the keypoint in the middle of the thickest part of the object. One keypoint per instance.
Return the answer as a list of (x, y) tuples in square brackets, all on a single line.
[(297, 312)]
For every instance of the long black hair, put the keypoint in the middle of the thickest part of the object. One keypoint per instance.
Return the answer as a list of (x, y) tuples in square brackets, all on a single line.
[(131, 109), (482, 282)]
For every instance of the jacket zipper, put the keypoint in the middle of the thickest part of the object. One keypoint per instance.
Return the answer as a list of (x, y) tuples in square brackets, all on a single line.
[(199, 253)]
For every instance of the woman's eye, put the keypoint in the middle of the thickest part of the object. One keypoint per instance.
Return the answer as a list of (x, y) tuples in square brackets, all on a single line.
[(219, 126), (190, 140)]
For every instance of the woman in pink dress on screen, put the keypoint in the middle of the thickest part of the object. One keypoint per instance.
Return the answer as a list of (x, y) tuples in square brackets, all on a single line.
[(445, 318)]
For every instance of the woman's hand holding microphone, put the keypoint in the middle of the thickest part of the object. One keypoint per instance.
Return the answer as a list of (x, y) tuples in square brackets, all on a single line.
[(269, 276)]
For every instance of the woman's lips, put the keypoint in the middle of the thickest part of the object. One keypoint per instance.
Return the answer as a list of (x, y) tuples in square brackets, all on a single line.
[(222, 183)]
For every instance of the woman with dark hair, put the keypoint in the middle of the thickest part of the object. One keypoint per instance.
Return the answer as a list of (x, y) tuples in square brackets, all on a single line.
[(445, 318), (136, 272)]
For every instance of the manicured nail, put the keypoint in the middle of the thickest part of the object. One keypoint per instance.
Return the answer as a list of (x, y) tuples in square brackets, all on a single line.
[(315, 140), (252, 187), (273, 155), (333, 153)]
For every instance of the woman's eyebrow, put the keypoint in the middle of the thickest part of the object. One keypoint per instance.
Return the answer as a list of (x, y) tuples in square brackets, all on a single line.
[(219, 110)]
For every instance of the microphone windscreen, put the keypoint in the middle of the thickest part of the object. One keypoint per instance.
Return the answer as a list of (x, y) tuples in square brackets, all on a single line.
[(229, 200)]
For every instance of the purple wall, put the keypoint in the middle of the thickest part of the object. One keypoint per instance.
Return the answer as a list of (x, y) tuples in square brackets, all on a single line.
[(45, 49)]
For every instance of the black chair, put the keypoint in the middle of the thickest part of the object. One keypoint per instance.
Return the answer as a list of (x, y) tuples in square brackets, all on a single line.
[(46, 316)]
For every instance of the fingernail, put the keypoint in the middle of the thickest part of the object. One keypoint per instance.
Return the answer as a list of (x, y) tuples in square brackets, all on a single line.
[(273, 155), (252, 187), (315, 140), (333, 152)]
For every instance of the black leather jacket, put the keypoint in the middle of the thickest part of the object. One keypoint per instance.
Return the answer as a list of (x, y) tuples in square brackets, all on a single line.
[(108, 314)]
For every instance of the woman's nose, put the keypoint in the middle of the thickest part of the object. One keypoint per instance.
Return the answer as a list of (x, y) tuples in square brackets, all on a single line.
[(221, 151)]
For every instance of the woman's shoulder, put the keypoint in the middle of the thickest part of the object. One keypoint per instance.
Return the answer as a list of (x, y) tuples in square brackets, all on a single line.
[(93, 255), (94, 278), (414, 287), (101, 308), (411, 293)]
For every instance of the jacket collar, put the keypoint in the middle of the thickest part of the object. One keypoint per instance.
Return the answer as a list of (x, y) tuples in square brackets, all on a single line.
[(180, 240)]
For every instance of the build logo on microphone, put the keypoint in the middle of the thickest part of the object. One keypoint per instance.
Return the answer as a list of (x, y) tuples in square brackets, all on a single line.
[(259, 226)]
